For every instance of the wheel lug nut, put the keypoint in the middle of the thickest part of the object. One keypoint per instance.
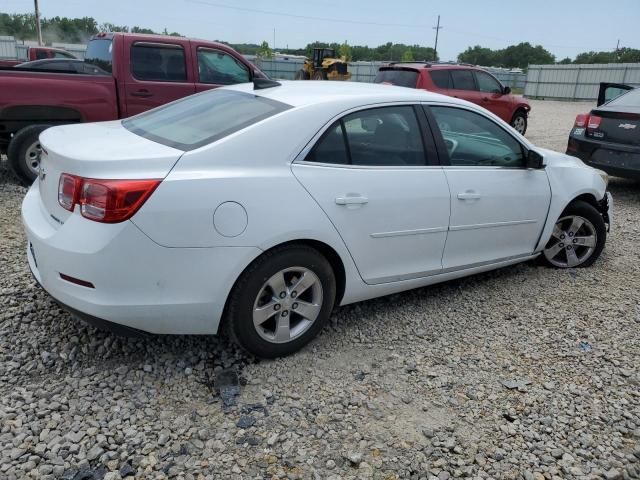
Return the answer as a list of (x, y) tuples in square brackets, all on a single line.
[(276, 307), (575, 241), (571, 234), (561, 245), (285, 313), (568, 247), (561, 237), (294, 306), (283, 294), (294, 294)]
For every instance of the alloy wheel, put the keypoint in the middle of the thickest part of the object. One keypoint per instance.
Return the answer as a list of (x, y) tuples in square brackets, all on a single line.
[(572, 242), (519, 124), (287, 304)]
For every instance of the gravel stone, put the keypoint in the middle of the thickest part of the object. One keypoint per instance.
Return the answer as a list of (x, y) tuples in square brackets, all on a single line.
[(407, 386)]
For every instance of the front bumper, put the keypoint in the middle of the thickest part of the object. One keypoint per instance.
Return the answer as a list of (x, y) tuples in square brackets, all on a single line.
[(606, 209), (138, 284)]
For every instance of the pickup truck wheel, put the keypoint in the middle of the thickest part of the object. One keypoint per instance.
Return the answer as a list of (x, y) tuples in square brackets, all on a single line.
[(24, 153)]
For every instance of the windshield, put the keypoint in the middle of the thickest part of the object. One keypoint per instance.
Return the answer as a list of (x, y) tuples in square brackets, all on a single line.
[(98, 54), (401, 78), (629, 99), (200, 119)]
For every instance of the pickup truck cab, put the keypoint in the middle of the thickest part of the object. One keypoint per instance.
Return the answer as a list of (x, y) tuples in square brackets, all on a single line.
[(37, 53), (135, 73)]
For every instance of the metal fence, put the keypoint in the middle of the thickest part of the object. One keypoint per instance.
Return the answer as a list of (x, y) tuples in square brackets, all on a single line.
[(577, 82), (285, 68)]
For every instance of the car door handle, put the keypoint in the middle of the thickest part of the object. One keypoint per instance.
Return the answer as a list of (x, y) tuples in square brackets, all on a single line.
[(142, 93), (469, 195), (351, 200), (486, 99)]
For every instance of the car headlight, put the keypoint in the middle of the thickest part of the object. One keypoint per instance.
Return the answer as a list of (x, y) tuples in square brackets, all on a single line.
[(604, 176)]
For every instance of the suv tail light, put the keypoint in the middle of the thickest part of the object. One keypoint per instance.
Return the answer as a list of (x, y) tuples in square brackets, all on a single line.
[(106, 201)]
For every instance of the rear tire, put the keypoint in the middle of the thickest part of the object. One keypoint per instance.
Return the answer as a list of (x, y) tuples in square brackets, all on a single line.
[(319, 75), (24, 153), (578, 238), (519, 122), (281, 301)]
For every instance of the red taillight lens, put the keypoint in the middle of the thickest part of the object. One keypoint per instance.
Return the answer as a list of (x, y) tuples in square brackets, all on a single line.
[(594, 122), (108, 201), (112, 201), (581, 120), (68, 191)]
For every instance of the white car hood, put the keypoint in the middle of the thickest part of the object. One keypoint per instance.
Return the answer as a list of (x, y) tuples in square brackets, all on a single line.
[(557, 159)]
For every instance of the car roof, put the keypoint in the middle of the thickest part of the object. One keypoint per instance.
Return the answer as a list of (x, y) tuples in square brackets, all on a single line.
[(425, 65), (349, 94)]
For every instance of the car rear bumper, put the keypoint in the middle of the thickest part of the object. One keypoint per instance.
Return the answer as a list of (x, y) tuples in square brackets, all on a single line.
[(134, 282), (617, 160)]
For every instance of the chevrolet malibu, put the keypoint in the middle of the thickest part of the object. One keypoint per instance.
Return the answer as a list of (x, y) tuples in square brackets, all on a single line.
[(256, 209)]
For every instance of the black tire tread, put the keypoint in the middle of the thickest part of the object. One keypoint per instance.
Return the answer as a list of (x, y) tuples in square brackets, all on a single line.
[(15, 152)]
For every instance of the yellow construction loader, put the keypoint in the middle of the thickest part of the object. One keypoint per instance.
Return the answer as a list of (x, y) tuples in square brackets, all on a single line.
[(324, 66)]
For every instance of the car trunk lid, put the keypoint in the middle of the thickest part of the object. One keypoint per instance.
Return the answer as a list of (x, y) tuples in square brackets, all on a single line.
[(101, 151), (615, 126)]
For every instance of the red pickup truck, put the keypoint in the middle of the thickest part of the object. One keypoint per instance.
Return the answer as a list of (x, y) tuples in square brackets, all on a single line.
[(136, 73), (37, 53)]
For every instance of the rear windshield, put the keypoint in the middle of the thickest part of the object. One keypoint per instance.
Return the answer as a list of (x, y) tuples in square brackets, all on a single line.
[(200, 119), (629, 99), (98, 54), (401, 78)]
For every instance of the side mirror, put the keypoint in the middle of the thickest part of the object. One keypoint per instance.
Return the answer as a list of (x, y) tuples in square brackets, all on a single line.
[(534, 160), (506, 90)]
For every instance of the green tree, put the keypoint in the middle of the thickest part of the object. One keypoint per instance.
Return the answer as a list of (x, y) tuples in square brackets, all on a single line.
[(345, 51), (479, 56), (137, 29), (565, 61), (264, 51), (110, 27), (407, 56)]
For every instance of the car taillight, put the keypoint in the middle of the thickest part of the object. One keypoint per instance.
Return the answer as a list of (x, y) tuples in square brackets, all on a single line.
[(594, 122), (581, 120), (107, 201), (68, 191)]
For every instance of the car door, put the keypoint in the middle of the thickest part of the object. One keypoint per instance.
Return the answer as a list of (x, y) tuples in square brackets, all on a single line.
[(374, 173), (157, 75), (216, 68), (492, 96), (463, 85), (498, 206)]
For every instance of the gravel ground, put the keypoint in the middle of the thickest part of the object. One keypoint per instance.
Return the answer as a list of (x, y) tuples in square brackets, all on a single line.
[(525, 372)]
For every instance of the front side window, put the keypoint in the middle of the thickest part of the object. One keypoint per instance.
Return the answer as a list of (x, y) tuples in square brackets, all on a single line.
[(62, 55), (158, 63), (463, 80), (215, 66), (386, 136), (474, 140), (488, 84), (204, 118)]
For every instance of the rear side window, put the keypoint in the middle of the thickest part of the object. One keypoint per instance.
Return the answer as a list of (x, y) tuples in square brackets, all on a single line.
[(98, 54), (204, 118), (463, 80), (401, 78), (383, 137), (41, 54), (62, 55), (157, 62), (441, 78)]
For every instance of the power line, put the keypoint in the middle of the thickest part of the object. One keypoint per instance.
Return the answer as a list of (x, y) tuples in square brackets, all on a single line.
[(303, 17)]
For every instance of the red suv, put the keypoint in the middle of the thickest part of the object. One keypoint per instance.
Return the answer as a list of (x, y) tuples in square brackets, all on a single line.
[(461, 81)]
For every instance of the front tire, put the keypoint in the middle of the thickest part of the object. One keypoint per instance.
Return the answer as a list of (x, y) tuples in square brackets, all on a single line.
[(519, 122), (281, 301), (578, 237), (302, 74), (24, 153)]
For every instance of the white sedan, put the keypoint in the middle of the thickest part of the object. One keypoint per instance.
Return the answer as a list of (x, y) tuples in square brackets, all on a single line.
[(258, 208)]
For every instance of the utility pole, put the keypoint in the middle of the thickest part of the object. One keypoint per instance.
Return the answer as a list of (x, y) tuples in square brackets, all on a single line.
[(274, 40), (39, 32), (435, 48)]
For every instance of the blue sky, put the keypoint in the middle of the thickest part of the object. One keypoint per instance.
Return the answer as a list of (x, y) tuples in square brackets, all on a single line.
[(565, 27)]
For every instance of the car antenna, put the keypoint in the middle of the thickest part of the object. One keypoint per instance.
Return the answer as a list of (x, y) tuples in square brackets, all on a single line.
[(260, 83)]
